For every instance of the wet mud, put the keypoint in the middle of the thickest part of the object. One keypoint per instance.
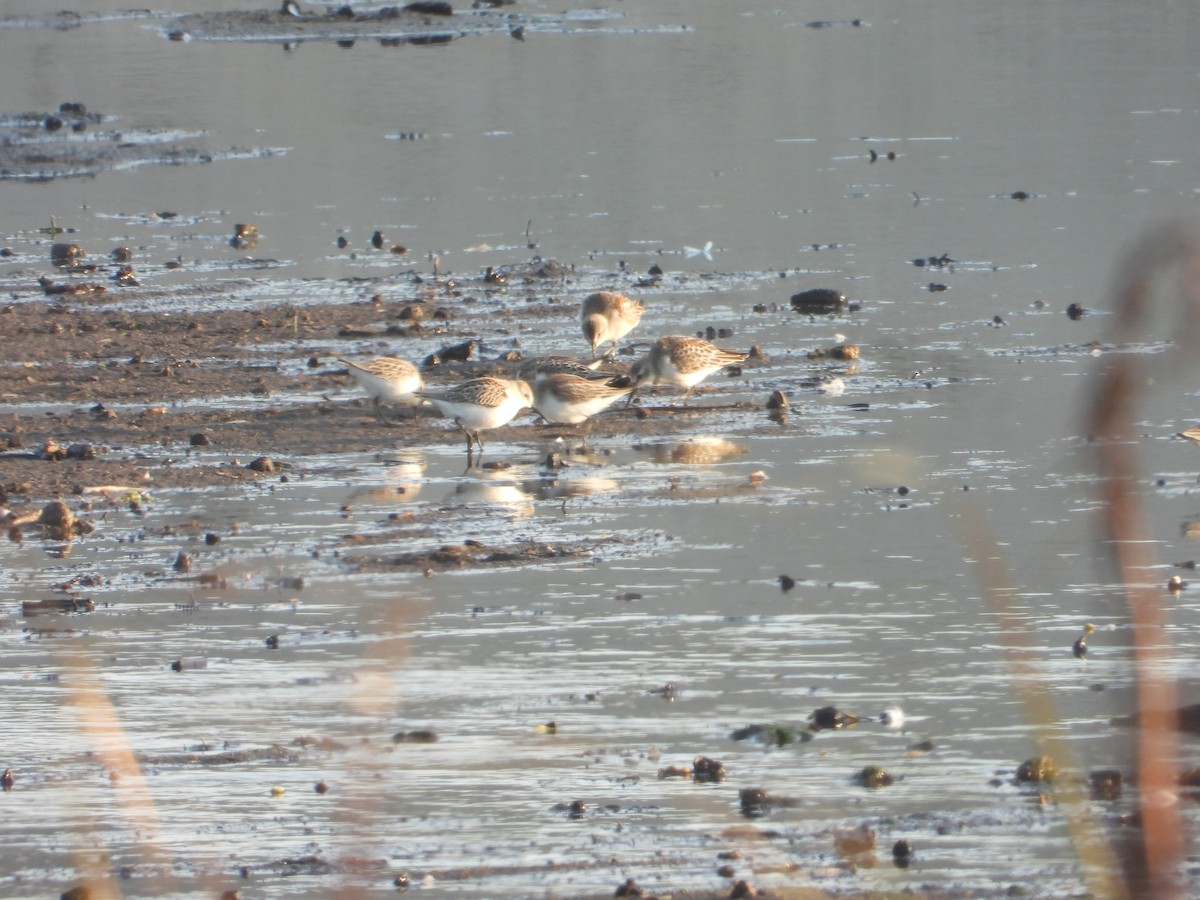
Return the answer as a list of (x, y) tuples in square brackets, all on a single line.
[(392, 25), (72, 142), (388, 24), (109, 399)]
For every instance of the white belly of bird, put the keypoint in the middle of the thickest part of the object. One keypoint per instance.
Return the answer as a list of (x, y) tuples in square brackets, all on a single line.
[(474, 417), (561, 412), (387, 390), (671, 375)]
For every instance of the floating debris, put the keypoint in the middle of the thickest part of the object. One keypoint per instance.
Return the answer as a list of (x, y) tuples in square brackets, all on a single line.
[(842, 352), (460, 352), (668, 692), (757, 802), (705, 770), (1037, 770), (675, 772), (245, 237), (873, 777), (126, 277), (41, 147), (1080, 647), (418, 736), (57, 605), (819, 302), (628, 889), (189, 664), (263, 464), (830, 717), (934, 262), (64, 255), (774, 735), (421, 22), (1106, 784)]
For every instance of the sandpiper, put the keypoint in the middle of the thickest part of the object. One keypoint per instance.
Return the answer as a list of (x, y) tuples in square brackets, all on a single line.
[(480, 404), (682, 361), (609, 316), (565, 399), (387, 380), (539, 367)]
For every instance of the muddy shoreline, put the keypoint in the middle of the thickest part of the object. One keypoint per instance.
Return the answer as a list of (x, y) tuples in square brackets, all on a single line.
[(138, 399)]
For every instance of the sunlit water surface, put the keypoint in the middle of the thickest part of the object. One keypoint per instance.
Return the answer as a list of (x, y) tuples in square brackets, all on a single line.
[(635, 136)]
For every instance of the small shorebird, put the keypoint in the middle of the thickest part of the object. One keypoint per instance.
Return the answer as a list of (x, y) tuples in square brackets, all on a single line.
[(682, 361), (565, 399), (539, 367), (609, 316), (387, 380), (480, 404)]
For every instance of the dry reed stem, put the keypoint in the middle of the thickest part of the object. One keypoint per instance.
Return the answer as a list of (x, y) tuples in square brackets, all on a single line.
[(1092, 847), (1154, 871), (102, 727)]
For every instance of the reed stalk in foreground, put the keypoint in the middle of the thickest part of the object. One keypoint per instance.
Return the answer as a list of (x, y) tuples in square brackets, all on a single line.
[(1149, 867), (1153, 868)]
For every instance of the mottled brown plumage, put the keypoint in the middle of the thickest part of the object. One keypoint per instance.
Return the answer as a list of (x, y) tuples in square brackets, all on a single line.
[(480, 404), (609, 316), (683, 361)]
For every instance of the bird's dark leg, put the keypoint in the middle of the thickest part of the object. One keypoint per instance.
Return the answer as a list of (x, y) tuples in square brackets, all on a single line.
[(470, 444)]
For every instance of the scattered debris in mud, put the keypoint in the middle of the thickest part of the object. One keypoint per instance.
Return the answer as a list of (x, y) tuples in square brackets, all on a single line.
[(74, 142), (57, 605), (391, 25), (206, 394), (208, 757), (469, 555)]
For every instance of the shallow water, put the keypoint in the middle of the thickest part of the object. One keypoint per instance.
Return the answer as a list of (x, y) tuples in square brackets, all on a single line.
[(638, 136)]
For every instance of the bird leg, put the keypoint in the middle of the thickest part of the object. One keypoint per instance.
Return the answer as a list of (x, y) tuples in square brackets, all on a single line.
[(584, 429), (379, 416), (471, 438)]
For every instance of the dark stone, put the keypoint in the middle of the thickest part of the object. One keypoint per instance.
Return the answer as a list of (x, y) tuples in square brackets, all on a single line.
[(705, 770), (430, 8), (263, 464), (819, 302)]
